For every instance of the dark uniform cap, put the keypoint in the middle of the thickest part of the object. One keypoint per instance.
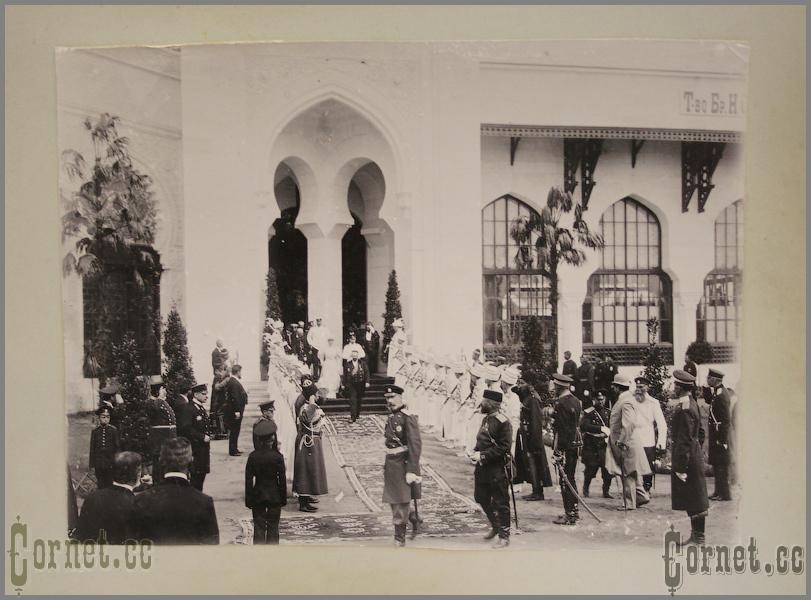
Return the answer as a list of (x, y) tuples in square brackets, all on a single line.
[(715, 373), (522, 391), (200, 387), (265, 428), (103, 409), (493, 395), (393, 390), (309, 390), (641, 379), (267, 405), (563, 380), (683, 377), (306, 377)]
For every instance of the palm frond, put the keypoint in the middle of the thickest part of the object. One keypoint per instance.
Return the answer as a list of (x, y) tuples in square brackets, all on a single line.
[(74, 164)]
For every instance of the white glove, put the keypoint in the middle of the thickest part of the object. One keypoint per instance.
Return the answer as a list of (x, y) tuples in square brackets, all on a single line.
[(476, 457), (412, 478), (236, 415), (606, 431), (682, 476)]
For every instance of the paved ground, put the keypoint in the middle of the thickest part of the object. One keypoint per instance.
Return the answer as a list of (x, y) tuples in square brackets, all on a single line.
[(353, 513)]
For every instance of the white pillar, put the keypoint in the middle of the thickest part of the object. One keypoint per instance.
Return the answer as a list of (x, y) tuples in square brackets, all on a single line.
[(379, 263), (324, 285)]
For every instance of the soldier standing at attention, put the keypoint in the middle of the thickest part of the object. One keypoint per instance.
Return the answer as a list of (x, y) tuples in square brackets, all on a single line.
[(689, 488), (717, 397), (268, 409), (491, 453), (401, 471), (103, 446), (567, 445)]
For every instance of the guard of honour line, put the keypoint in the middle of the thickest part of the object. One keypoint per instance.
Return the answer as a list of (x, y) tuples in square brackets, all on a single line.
[(484, 411)]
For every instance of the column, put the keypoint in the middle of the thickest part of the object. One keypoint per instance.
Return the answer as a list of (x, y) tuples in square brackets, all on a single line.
[(324, 285)]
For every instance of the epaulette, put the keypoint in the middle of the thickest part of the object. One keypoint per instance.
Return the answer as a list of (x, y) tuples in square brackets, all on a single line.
[(589, 409), (405, 412), (501, 417)]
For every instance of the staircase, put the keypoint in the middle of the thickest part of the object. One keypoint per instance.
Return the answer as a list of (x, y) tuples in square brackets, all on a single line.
[(374, 402)]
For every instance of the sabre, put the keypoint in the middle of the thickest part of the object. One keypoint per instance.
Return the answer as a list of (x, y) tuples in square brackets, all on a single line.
[(416, 521), (512, 491), (568, 484), (624, 496)]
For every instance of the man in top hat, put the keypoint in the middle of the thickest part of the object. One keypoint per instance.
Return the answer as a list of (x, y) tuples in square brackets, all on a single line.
[(717, 397), (688, 486), (104, 443), (162, 423), (626, 456), (235, 400), (401, 471), (268, 410), (193, 424), (490, 455), (566, 445), (649, 413)]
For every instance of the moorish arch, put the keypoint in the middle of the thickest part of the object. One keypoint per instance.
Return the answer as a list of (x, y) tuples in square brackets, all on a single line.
[(333, 174)]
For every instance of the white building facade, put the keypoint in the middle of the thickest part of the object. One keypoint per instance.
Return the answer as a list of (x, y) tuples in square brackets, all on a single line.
[(423, 154)]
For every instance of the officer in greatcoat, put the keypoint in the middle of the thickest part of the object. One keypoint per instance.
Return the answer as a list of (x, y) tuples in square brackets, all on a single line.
[(530, 453), (401, 471), (193, 424), (567, 444), (688, 486), (491, 455), (162, 423), (594, 427), (717, 397)]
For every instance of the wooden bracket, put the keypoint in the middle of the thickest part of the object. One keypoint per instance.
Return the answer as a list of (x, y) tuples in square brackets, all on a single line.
[(513, 147), (636, 146)]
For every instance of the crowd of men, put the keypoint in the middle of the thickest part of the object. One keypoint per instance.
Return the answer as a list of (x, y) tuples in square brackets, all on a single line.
[(483, 409)]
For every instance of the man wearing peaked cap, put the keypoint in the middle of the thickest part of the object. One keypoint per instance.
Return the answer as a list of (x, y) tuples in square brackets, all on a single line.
[(566, 444), (688, 485), (194, 424), (401, 469), (265, 483), (104, 443), (718, 454), (162, 423), (267, 408), (491, 455)]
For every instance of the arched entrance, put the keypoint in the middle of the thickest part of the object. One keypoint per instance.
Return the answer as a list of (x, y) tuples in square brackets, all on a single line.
[(287, 253), (353, 276)]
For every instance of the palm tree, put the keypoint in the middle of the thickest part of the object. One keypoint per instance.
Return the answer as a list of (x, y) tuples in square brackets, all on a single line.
[(554, 244), (110, 220)]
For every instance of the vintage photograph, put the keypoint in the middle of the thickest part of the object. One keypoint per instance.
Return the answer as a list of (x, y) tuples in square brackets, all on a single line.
[(457, 295)]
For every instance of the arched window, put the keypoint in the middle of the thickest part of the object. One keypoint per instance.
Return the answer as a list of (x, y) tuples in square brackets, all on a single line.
[(718, 317), (513, 290), (629, 287)]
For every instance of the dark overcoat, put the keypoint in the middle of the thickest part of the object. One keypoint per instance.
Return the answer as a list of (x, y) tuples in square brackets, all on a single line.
[(173, 512), (111, 509), (595, 441), (265, 479), (719, 425), (403, 448), (309, 470), (493, 442), (193, 424), (529, 441), (690, 495), (104, 443)]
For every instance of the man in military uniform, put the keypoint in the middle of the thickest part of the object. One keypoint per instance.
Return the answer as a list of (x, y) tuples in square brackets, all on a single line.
[(689, 488), (716, 395), (104, 444), (162, 423), (268, 409), (567, 444), (490, 455), (233, 408), (401, 471), (193, 424)]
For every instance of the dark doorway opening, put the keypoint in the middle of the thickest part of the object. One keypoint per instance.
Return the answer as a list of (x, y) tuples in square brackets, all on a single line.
[(353, 277), (287, 254)]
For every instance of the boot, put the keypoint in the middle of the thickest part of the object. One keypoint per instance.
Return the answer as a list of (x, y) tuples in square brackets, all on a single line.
[(564, 520), (606, 488), (400, 535), (575, 513), (537, 494), (585, 490), (503, 537), (493, 533)]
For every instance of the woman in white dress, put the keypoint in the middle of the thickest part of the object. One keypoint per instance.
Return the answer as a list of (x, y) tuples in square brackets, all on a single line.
[(396, 355), (330, 358)]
